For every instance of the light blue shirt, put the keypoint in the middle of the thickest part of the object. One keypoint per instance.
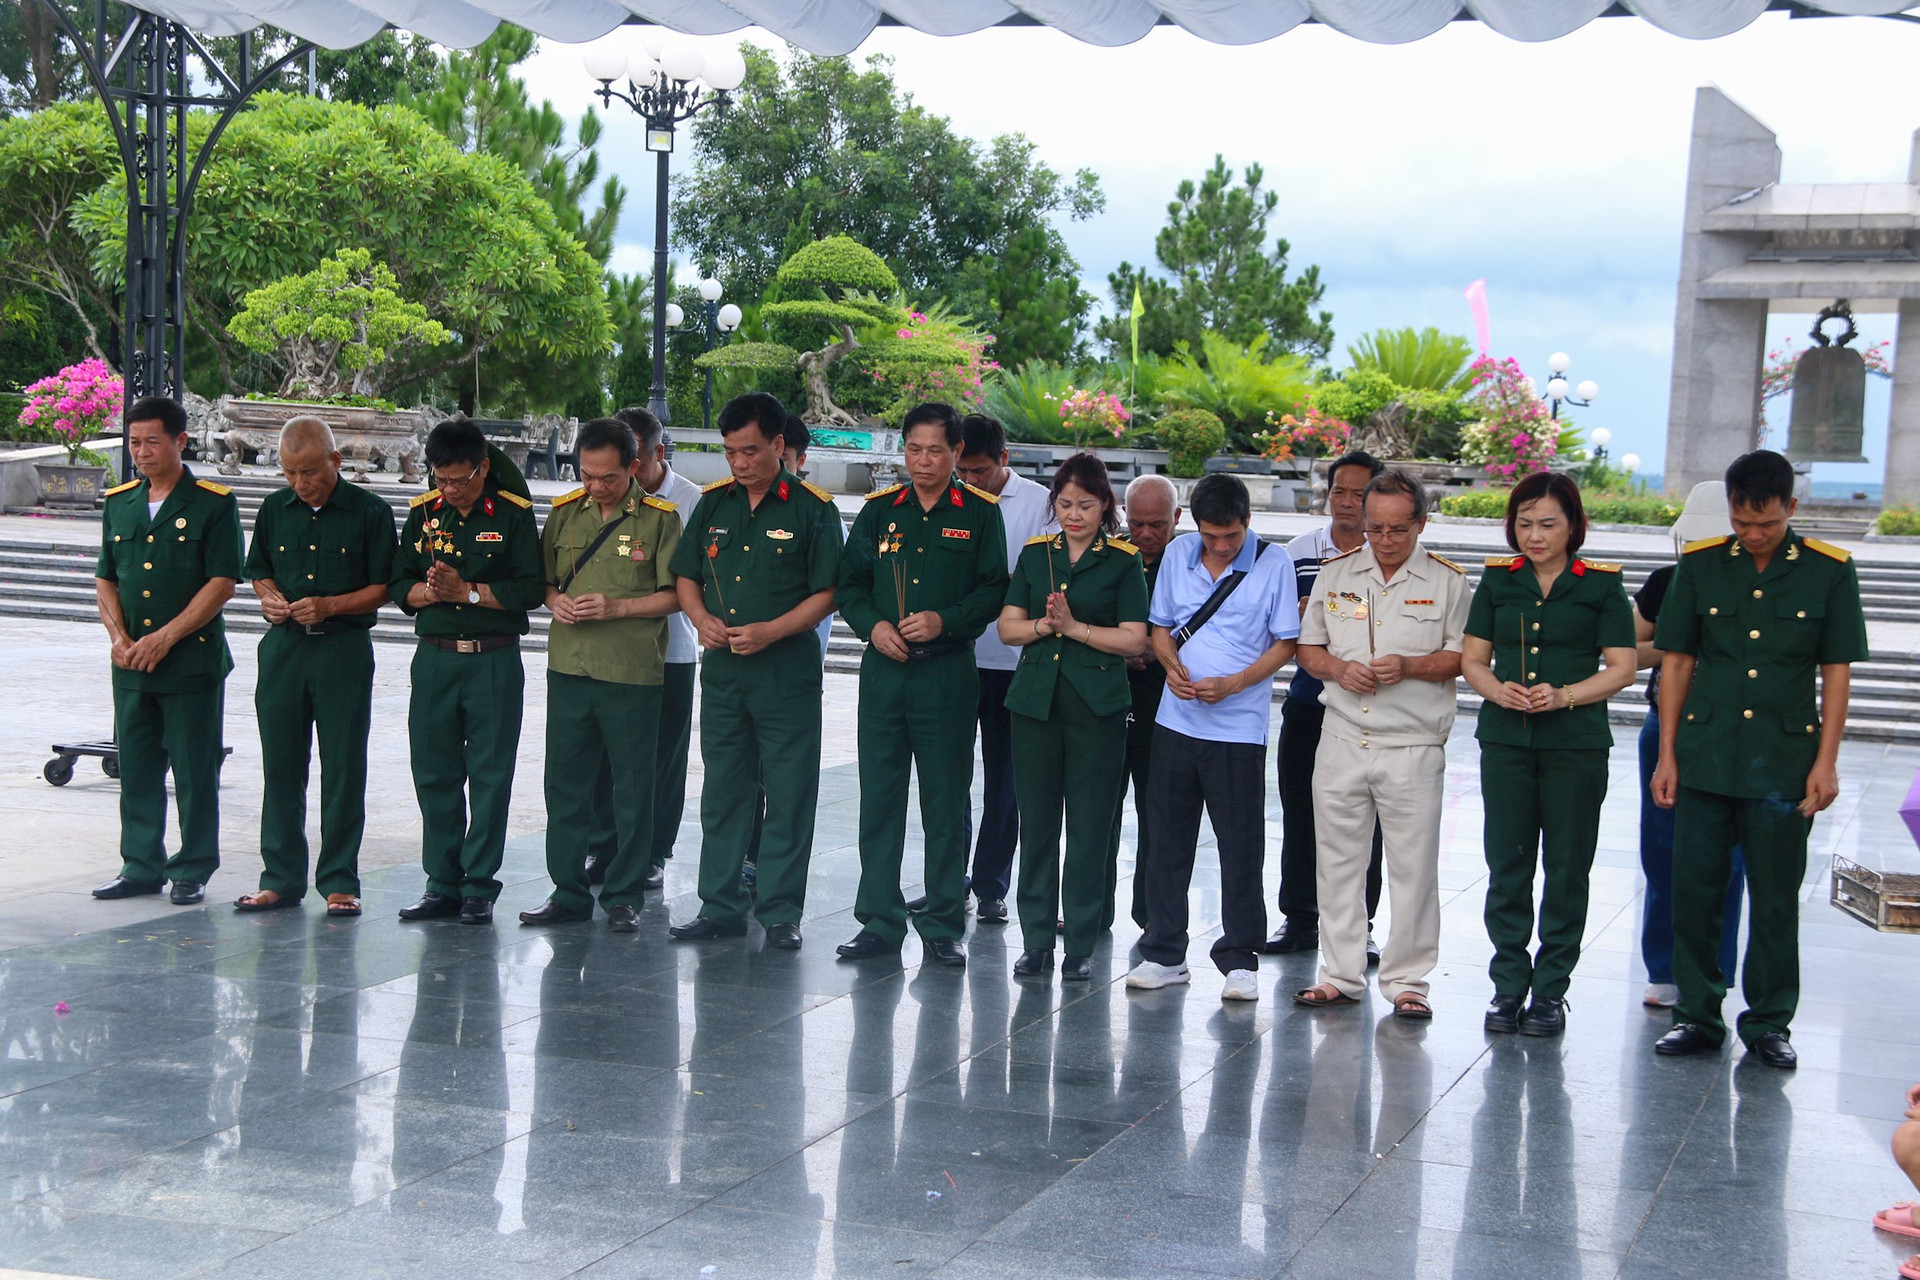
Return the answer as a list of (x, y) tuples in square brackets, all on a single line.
[(1263, 609)]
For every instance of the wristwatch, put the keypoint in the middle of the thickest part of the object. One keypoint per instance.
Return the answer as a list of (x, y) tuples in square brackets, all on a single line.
[(473, 595)]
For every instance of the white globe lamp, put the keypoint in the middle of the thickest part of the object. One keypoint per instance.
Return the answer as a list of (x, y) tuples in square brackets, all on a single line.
[(682, 61), (1559, 362), (728, 318), (1630, 462), (726, 70), (1601, 437), (604, 62), (1588, 390), (710, 290), (674, 315)]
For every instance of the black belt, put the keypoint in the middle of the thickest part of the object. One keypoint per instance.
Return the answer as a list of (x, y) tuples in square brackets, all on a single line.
[(329, 626), (936, 649), (485, 644)]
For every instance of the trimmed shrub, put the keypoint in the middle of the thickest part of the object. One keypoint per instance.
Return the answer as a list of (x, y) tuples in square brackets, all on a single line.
[(1190, 436), (1899, 522)]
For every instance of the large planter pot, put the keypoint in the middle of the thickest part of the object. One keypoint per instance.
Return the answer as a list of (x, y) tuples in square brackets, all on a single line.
[(241, 431), (70, 484)]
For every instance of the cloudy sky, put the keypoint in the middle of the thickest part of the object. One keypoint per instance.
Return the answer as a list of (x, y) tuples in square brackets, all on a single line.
[(1555, 171)]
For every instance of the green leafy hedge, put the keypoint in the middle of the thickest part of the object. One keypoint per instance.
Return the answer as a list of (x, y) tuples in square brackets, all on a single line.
[(1901, 521), (1602, 508), (1190, 437), (10, 429), (1476, 504)]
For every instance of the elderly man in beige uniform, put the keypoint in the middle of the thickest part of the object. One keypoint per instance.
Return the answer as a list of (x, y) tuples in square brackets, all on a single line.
[(1383, 630)]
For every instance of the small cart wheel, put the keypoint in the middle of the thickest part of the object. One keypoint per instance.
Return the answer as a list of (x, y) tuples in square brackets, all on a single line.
[(58, 771), (110, 765)]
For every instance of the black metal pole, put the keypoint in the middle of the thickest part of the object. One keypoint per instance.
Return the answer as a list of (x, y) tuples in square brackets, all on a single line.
[(657, 395), (709, 310)]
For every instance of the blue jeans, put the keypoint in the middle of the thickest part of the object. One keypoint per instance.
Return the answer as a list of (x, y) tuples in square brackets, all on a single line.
[(1656, 860)]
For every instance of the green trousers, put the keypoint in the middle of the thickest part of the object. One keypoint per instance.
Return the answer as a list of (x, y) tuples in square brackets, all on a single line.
[(1542, 809), (1139, 760), (1071, 764), (915, 716), (1772, 835), (463, 729), (154, 732), (670, 760), (597, 728), (308, 686), (771, 738)]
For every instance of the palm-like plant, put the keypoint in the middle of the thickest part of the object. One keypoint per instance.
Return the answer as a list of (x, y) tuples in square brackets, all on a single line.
[(1424, 360), (1239, 385), (1027, 401)]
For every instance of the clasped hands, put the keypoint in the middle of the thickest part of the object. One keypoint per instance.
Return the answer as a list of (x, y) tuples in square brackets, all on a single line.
[(276, 608), (143, 654), (1371, 677), (893, 641), (446, 584), (594, 606), (1520, 697), (752, 638)]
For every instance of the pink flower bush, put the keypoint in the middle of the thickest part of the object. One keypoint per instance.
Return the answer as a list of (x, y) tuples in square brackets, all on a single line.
[(1086, 413), (1516, 435), (1311, 435), (78, 403)]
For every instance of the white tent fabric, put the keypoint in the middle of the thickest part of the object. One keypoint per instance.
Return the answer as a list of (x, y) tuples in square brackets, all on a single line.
[(838, 26)]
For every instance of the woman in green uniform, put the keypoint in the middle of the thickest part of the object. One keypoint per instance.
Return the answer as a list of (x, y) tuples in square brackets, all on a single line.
[(1549, 640), (1077, 610)]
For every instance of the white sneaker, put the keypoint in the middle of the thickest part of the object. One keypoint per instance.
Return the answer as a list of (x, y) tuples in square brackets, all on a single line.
[(1242, 984), (1660, 995), (1148, 976)]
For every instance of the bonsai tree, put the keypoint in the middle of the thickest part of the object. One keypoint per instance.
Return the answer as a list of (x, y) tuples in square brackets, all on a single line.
[(831, 285), (339, 329)]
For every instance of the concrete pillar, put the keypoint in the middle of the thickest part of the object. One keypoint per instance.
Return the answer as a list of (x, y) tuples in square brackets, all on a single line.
[(1903, 418), (1718, 345)]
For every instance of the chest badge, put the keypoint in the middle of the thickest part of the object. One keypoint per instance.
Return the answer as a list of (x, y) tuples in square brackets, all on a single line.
[(639, 553), (780, 535), (491, 535), (964, 534), (180, 522)]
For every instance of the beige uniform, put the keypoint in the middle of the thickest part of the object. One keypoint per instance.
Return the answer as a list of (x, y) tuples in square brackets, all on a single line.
[(1383, 755)]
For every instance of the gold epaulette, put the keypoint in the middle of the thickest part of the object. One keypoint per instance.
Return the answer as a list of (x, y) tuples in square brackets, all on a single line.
[(1450, 564), (1039, 538), (1828, 549), (881, 493), (525, 504), (980, 493), (121, 488), (717, 484), (1706, 544), (1494, 562), (1601, 566), (211, 487), (816, 491), (1351, 551), (660, 504), (424, 499), (565, 498), (1121, 544)]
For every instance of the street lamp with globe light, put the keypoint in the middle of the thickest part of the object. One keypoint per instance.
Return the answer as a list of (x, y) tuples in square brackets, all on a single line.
[(715, 318), (1559, 391), (672, 82)]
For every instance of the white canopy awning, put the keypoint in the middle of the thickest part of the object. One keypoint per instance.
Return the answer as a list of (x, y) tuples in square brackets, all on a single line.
[(838, 26)]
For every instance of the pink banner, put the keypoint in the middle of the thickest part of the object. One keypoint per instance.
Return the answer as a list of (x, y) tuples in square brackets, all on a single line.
[(1477, 303)]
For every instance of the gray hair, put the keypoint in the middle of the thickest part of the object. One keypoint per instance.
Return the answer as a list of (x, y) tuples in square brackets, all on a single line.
[(304, 432), (1139, 485), (1394, 481)]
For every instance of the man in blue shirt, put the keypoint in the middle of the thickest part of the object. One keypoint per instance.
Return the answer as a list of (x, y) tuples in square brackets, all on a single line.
[(1225, 616)]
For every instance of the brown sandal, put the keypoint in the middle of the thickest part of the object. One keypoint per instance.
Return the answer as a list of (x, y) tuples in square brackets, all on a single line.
[(342, 904), (1323, 996), (1412, 1006), (262, 900)]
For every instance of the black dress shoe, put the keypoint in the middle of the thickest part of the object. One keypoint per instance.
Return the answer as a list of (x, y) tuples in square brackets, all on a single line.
[(622, 919), (916, 905), (121, 887), (1503, 1015), (1685, 1038), (432, 906), (476, 911), (551, 912), (867, 945), (656, 877), (1032, 964), (597, 870), (1076, 969), (701, 929), (1373, 950), (1546, 1016), (783, 937), (1291, 937), (186, 893), (946, 952), (1775, 1050), (992, 911)]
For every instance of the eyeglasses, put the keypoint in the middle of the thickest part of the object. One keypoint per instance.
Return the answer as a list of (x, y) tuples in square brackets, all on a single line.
[(455, 482), (1389, 531)]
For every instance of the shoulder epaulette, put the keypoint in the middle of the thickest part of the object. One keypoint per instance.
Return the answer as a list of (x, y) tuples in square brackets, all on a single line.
[(424, 499), (1828, 549), (1705, 544), (1121, 544), (982, 494), (1601, 566), (881, 493), (717, 484), (565, 498), (211, 487), (660, 504), (121, 488), (1443, 560), (525, 504), (1342, 555), (1039, 538), (816, 491), (1494, 562)]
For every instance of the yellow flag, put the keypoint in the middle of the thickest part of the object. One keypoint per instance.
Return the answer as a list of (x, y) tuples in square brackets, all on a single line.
[(1139, 309)]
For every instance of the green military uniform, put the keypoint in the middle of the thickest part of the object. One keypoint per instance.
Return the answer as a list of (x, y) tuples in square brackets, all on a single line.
[(902, 558), (463, 717), (317, 680), (1144, 688), (170, 717), (1543, 775), (603, 692), (1069, 705), (760, 712), (1749, 734)]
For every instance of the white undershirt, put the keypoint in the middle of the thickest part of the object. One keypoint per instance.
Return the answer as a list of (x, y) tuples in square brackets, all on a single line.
[(153, 509)]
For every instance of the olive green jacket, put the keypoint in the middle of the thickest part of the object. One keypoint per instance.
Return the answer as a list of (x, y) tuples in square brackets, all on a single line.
[(159, 564), (1106, 588), (1554, 639)]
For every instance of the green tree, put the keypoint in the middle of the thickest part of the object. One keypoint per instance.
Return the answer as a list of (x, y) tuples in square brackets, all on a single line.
[(50, 161), (1224, 277), (1032, 288), (1423, 359), (38, 67), (827, 146), (1238, 385), (339, 329), (1391, 419)]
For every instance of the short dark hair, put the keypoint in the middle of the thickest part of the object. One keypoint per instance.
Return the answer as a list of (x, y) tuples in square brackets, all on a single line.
[(456, 442), (982, 435), (1393, 482), (645, 427), (1090, 473), (1220, 498), (1756, 479), (1559, 487), (755, 409), (935, 412), (799, 439), (1355, 458), (168, 411), (608, 433)]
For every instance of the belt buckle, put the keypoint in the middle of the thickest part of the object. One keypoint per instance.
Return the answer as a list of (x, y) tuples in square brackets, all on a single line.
[(466, 646), (311, 629)]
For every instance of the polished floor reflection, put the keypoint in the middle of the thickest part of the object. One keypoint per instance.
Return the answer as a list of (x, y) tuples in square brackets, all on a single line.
[(287, 1096)]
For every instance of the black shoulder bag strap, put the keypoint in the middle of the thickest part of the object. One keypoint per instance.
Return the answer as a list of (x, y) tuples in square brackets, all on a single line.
[(1226, 587), (606, 531)]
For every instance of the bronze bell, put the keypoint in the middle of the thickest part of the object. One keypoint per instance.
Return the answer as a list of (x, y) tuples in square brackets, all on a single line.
[(1829, 396)]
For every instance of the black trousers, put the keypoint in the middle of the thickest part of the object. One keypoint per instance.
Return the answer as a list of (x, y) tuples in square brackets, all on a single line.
[(1229, 780), (1300, 723), (999, 836)]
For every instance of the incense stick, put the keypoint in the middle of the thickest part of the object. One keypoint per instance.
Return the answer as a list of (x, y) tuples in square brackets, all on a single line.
[(1371, 624), (1527, 714)]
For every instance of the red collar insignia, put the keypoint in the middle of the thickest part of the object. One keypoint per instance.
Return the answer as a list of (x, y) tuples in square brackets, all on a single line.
[(489, 506), (954, 493), (1519, 563), (439, 503), (783, 491), (1579, 568), (903, 495)]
